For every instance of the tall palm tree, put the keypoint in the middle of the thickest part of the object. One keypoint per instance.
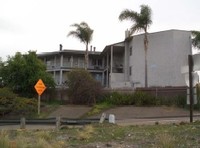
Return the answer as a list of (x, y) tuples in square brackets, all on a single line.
[(141, 22), (84, 33), (196, 39)]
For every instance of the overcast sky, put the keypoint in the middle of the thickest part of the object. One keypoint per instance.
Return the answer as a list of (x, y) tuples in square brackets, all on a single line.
[(42, 25)]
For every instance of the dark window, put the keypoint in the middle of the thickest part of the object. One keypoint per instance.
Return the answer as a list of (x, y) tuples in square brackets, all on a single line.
[(130, 70), (99, 62), (93, 62), (130, 50)]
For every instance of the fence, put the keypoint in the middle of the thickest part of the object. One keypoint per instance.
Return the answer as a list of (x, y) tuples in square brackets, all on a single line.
[(165, 91), (61, 93)]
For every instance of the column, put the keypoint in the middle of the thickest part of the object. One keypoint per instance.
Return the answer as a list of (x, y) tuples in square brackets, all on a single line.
[(107, 68), (126, 62), (61, 75), (102, 79), (71, 61), (61, 60), (111, 60)]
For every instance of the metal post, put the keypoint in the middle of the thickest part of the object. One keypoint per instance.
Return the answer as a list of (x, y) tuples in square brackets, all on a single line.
[(22, 123), (190, 63), (58, 123), (38, 104)]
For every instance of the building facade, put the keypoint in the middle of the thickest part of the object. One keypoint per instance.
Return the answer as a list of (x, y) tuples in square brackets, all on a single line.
[(121, 65)]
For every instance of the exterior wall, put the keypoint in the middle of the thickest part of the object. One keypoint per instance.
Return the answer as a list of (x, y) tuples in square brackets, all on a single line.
[(167, 53), (117, 81)]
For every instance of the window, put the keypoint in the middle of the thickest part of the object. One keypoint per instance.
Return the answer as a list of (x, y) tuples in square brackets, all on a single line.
[(130, 51), (130, 70)]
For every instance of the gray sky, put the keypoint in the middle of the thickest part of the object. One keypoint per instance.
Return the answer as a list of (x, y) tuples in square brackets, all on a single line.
[(42, 25)]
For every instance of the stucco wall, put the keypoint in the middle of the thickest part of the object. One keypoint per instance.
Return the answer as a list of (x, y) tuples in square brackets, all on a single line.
[(167, 53), (117, 81)]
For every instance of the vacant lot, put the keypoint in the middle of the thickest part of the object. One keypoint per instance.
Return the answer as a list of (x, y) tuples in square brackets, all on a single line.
[(105, 135)]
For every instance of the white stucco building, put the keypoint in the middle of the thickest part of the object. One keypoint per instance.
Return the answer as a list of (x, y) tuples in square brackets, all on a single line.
[(121, 65)]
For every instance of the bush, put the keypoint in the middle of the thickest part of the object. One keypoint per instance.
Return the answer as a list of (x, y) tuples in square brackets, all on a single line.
[(9, 102), (179, 101), (144, 99), (137, 98), (117, 98), (24, 105), (83, 89), (6, 100), (140, 98)]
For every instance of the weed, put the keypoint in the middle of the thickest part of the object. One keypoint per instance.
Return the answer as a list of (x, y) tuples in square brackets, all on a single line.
[(166, 140), (86, 132), (46, 135), (4, 140)]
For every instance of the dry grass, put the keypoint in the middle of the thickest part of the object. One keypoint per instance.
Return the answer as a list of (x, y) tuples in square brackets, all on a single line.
[(153, 136), (86, 132), (165, 140)]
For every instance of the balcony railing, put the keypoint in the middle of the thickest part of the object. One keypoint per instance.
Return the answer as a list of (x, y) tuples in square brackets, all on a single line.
[(69, 66)]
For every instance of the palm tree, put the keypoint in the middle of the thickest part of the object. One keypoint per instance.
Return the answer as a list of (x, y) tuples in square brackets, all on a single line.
[(84, 33), (141, 22), (196, 39)]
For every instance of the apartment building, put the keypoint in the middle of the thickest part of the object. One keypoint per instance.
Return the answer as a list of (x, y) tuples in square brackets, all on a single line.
[(59, 63), (121, 65)]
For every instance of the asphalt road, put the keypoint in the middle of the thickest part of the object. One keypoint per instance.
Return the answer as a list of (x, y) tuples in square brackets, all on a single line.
[(120, 122)]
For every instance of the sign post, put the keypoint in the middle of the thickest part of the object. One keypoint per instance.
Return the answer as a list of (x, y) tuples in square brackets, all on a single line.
[(190, 63), (40, 88)]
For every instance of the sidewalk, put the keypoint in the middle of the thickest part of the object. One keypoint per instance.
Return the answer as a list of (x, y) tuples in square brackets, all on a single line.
[(123, 112)]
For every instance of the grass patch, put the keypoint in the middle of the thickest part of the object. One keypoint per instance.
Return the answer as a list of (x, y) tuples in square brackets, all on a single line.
[(98, 108)]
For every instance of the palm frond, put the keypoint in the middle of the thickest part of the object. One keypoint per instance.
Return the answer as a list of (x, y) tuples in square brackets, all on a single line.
[(196, 39), (82, 32), (145, 16), (141, 21), (128, 15)]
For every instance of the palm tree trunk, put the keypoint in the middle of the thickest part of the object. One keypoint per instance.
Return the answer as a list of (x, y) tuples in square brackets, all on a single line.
[(145, 50), (86, 57)]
